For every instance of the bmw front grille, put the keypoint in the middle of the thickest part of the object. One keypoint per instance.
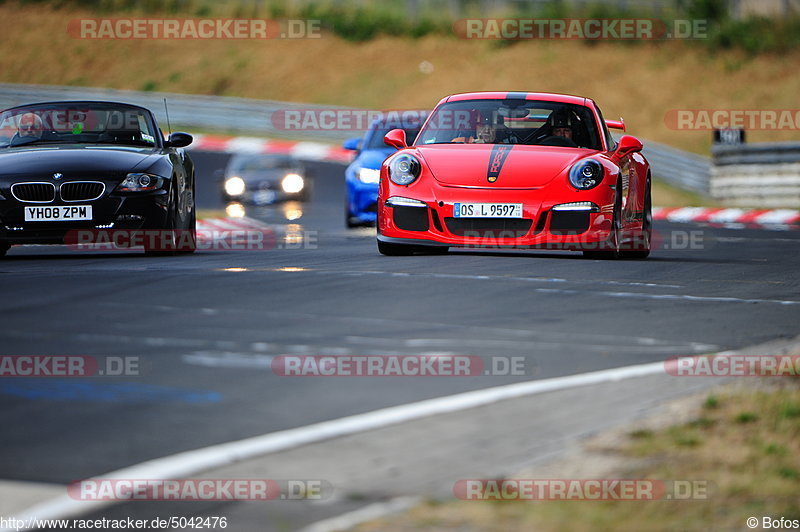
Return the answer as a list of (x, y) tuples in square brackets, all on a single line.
[(82, 190), (34, 192)]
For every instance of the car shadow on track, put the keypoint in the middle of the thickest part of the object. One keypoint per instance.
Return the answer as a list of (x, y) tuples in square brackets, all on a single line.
[(577, 256)]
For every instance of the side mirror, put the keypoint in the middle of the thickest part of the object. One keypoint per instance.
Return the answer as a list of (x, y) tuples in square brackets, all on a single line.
[(627, 145), (179, 140), (352, 144), (396, 138)]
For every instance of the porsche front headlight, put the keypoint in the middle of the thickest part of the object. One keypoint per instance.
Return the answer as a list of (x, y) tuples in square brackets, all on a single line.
[(586, 174), (404, 169)]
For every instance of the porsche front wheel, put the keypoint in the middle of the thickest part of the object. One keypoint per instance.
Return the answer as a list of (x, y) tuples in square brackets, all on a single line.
[(642, 243)]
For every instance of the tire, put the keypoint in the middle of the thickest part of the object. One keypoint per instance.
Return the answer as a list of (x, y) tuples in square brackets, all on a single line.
[(395, 250), (644, 241), (616, 224), (350, 221), (188, 244), (170, 230)]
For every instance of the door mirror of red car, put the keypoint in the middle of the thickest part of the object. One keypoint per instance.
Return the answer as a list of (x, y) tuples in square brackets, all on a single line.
[(627, 145), (396, 138)]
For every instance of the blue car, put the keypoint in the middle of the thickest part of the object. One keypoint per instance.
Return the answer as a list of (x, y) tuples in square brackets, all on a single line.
[(363, 174)]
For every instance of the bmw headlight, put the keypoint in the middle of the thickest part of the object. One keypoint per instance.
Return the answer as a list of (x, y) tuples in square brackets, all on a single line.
[(292, 183), (369, 175), (404, 169), (140, 182), (234, 186), (586, 174)]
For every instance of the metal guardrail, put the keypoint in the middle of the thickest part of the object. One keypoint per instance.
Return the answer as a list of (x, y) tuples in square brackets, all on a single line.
[(764, 174), (679, 168), (676, 167), (761, 153), (203, 112)]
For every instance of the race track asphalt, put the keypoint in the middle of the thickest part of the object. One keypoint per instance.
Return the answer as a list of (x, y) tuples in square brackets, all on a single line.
[(205, 328)]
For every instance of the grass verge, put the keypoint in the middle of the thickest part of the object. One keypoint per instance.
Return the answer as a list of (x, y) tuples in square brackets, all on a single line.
[(641, 82), (743, 440), (665, 195)]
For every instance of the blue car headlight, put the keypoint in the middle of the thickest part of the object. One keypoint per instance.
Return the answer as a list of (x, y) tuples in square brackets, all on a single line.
[(404, 169), (586, 174), (368, 175)]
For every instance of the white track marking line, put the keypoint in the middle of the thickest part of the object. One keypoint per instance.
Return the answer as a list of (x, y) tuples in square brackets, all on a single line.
[(228, 359), (639, 295), (371, 512), (193, 462), (484, 277), (638, 344), (535, 335)]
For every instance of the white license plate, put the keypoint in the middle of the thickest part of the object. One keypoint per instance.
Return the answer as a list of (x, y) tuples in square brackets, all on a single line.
[(60, 213), (487, 210)]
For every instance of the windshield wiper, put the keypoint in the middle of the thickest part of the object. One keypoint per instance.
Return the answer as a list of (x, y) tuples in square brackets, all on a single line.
[(34, 143)]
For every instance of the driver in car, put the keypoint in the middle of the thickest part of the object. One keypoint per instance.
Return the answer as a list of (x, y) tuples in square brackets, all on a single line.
[(489, 132), (562, 124), (560, 130), (29, 129)]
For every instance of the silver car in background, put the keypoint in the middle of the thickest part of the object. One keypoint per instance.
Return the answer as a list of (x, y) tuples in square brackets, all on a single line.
[(262, 179)]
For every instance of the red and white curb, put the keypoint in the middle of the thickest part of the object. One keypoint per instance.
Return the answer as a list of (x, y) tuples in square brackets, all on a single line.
[(731, 217), (311, 151), (207, 225), (235, 233)]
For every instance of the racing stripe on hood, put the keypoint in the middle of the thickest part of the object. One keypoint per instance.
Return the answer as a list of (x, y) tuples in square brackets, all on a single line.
[(496, 160)]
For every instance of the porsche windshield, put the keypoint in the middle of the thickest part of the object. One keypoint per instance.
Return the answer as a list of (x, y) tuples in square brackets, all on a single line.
[(76, 123), (530, 122)]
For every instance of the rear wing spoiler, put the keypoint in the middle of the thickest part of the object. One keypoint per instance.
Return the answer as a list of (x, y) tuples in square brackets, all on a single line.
[(616, 124)]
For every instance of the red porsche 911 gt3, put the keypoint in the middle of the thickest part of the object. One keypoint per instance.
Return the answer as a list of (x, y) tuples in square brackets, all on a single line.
[(518, 170)]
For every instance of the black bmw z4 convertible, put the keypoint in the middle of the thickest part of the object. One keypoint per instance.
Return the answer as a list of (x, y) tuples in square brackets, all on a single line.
[(87, 172)]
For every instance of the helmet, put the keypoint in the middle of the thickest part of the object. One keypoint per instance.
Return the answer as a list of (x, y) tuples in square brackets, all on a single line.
[(562, 118)]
